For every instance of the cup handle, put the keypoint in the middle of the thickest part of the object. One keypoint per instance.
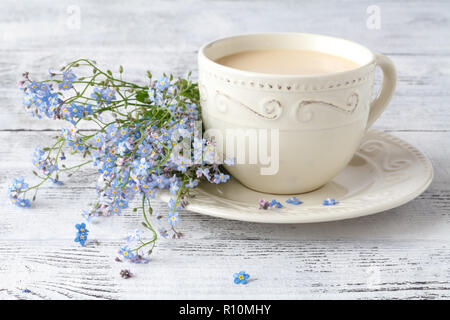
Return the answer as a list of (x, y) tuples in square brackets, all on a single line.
[(387, 89)]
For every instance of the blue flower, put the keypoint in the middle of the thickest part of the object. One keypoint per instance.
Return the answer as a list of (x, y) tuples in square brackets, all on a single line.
[(77, 145), (126, 253), (144, 149), (105, 169), (81, 227), (173, 204), (192, 110), (172, 90), (88, 109), (52, 168), (149, 192), (219, 178), (181, 124), (275, 203), (241, 277), (330, 202), (141, 166), (174, 187), (109, 160), (18, 184), (65, 85), (108, 94), (165, 134), (75, 111), (123, 204), (137, 134), (294, 201), (182, 164), (173, 218), (34, 87), (27, 100), (81, 238), (116, 209), (103, 94), (160, 181), (163, 83), (38, 153), (22, 203), (66, 134), (155, 96), (192, 183), (98, 140), (69, 75)]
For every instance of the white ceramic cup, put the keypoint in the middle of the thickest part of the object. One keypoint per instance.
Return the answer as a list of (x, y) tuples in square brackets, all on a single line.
[(321, 118)]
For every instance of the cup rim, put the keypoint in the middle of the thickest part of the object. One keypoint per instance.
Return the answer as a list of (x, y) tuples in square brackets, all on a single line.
[(202, 55)]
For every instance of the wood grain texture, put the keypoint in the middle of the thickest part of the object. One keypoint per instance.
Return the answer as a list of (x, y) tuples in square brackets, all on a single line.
[(402, 253)]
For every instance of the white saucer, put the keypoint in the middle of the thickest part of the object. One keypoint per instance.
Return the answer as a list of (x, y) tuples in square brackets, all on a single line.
[(385, 173)]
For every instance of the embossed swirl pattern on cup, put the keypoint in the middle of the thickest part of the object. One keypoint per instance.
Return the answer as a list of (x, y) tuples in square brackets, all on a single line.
[(272, 109)]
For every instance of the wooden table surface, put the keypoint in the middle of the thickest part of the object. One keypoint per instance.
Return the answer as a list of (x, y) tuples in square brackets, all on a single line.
[(402, 253)]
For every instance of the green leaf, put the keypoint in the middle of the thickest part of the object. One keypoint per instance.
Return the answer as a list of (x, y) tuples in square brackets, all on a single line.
[(142, 96)]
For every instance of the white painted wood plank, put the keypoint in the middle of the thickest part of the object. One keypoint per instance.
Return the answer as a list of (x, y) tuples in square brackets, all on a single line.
[(279, 269), (401, 253), (59, 208), (174, 26), (423, 62), (422, 91)]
